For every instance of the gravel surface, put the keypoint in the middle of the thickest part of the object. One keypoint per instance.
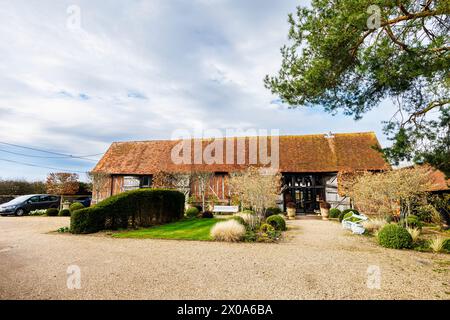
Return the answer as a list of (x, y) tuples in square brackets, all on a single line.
[(316, 260)]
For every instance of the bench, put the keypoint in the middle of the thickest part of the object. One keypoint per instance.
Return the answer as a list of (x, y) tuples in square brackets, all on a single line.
[(226, 209)]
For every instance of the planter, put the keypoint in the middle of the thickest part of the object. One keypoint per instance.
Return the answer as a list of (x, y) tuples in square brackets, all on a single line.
[(66, 205), (291, 213), (324, 212)]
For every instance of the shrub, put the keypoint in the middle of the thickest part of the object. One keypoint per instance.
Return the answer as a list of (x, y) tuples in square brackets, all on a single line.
[(437, 243), (64, 213), (394, 236), (240, 220), (272, 210), (265, 228), (207, 215), (251, 221), (230, 231), (138, 208), (291, 205), (191, 212), (414, 222), (324, 205), (415, 233), (373, 225), (277, 222), (350, 210), (250, 236), (334, 213), (52, 212), (63, 229), (249, 211), (76, 206), (347, 213), (38, 212), (424, 213), (446, 245)]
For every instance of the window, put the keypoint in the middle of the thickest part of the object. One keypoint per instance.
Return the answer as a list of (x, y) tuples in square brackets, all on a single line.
[(130, 183), (146, 181), (33, 199), (44, 199)]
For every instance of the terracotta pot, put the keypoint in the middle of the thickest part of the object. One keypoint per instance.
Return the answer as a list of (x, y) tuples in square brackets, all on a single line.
[(291, 212), (324, 212)]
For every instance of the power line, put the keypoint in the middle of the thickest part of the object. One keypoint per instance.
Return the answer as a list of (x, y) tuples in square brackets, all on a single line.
[(41, 157), (85, 157), (39, 166)]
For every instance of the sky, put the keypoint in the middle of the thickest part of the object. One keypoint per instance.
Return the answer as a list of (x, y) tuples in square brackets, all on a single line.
[(78, 75)]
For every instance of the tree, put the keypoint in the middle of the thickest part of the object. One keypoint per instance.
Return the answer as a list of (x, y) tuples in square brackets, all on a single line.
[(62, 183), (351, 55), (19, 187), (202, 179), (389, 193), (99, 181), (257, 188), (170, 180)]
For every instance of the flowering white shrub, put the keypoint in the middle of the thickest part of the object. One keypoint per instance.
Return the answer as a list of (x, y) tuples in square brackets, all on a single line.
[(37, 212)]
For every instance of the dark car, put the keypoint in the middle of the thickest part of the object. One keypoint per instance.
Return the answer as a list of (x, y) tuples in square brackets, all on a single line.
[(24, 204), (85, 201)]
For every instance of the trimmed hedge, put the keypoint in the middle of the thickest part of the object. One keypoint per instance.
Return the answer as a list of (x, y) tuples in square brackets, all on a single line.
[(277, 222), (334, 213), (394, 236), (76, 206), (191, 212), (136, 208), (64, 213), (52, 212)]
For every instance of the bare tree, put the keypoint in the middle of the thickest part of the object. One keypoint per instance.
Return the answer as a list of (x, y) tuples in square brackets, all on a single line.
[(99, 181), (170, 180), (202, 179), (391, 192), (257, 188)]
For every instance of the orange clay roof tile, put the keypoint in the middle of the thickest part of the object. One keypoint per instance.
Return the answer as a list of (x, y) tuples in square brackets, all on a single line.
[(305, 153)]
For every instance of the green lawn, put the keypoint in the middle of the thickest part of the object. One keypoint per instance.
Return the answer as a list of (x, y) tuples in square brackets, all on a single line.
[(192, 229)]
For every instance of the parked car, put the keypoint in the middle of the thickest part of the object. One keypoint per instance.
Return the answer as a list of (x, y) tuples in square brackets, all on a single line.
[(24, 204), (85, 201)]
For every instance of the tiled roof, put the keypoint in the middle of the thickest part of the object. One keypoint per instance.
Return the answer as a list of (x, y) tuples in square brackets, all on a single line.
[(439, 181), (305, 153)]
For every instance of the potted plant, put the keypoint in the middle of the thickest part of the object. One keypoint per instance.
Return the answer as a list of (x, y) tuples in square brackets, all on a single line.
[(324, 209), (291, 210)]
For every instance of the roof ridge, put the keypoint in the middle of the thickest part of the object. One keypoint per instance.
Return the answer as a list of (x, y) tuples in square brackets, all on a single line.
[(241, 137)]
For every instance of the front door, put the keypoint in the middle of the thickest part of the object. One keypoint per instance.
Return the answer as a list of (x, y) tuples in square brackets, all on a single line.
[(305, 190)]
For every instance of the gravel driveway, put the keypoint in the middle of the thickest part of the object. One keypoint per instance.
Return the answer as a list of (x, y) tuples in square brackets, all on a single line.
[(317, 260)]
